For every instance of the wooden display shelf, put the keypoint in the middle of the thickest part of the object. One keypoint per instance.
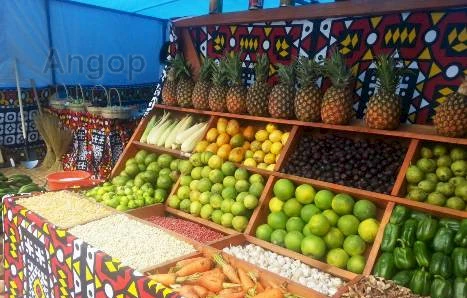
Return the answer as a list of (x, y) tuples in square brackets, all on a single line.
[(384, 210), (264, 275), (407, 131)]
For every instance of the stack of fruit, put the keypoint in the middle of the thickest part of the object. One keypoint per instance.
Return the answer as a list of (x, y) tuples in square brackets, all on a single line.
[(254, 147), (217, 190), (16, 184), (147, 179), (370, 164), (439, 177), (425, 254), (320, 224)]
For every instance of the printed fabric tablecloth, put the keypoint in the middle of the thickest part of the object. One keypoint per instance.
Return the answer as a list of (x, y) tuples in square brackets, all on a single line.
[(43, 261), (97, 143)]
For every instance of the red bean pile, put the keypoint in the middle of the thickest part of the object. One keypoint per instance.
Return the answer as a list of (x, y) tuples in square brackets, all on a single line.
[(187, 228)]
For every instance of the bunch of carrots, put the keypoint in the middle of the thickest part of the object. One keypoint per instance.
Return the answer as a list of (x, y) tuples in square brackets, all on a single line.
[(200, 278)]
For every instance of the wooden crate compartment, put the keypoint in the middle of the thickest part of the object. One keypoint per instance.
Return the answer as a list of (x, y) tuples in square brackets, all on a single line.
[(323, 133), (264, 275), (402, 189), (260, 217), (161, 210)]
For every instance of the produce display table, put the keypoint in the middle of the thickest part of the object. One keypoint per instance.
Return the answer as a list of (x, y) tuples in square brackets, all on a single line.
[(42, 260), (97, 142)]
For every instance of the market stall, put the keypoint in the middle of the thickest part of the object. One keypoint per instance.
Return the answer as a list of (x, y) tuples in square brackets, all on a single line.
[(341, 187)]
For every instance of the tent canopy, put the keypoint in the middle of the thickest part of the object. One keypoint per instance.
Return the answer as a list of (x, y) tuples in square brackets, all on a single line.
[(166, 9)]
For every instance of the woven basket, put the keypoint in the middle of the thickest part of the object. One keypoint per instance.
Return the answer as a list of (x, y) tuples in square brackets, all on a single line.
[(116, 112)]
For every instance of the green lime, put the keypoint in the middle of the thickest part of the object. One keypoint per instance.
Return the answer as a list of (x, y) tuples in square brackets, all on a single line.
[(277, 220), (195, 208), (284, 189), (319, 225), (140, 156), (364, 209), (356, 264), (294, 224), (455, 203), (313, 246), (204, 197), (305, 194), (196, 173), (368, 229), (229, 193), (256, 178), (264, 232), (241, 174), (238, 208), (185, 180), (323, 199), (334, 238), (331, 216), (278, 237), (217, 188), (337, 257), (215, 201), (185, 205), (308, 211), (226, 205), (306, 231), (205, 172), (239, 223), (256, 189), (216, 216), (229, 181), (342, 204), (216, 176), (242, 185), (354, 245), (250, 202), (206, 211), (228, 168), (348, 224), (226, 219), (173, 202), (293, 240), (292, 208)]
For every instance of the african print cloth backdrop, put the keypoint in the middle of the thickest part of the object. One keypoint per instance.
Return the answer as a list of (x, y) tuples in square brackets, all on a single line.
[(97, 142), (432, 44), (43, 261), (10, 123)]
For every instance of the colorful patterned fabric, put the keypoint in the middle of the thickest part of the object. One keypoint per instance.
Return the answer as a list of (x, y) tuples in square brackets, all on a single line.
[(431, 44), (43, 261), (97, 142)]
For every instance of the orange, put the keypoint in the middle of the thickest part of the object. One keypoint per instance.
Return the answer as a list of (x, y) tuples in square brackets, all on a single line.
[(249, 133), (233, 127), (224, 151), (237, 155), (246, 145), (258, 156), (270, 127), (222, 139), (237, 141), (222, 125), (212, 148), (261, 135), (255, 146), (212, 134), (201, 146)]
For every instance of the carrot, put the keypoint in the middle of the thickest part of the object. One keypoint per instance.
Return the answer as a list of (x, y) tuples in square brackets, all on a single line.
[(200, 291), (187, 261), (228, 269), (270, 293), (245, 280), (258, 286), (170, 278), (200, 265), (187, 292), (212, 280), (232, 293)]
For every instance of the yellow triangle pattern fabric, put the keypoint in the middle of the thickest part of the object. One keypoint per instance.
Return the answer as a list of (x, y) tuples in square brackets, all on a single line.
[(425, 54), (436, 17), (434, 70), (375, 21)]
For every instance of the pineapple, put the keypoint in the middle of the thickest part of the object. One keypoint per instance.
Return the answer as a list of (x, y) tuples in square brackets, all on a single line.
[(308, 98), (202, 86), (219, 88), (185, 84), (236, 96), (451, 116), (383, 110), (258, 93), (282, 95), (336, 107), (169, 90)]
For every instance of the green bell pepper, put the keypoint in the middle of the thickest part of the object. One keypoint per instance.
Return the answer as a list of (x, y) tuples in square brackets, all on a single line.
[(441, 288), (399, 214), (450, 223), (391, 233), (461, 236), (441, 265), (417, 215), (404, 257), (460, 287), (426, 229), (403, 277), (443, 241), (421, 282), (422, 256), (384, 267), (409, 231), (459, 260)]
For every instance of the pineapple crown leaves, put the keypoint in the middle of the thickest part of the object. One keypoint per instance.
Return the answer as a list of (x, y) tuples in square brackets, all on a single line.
[(233, 68), (262, 68), (182, 67), (336, 70), (308, 70), (206, 70), (286, 73), (388, 73), (219, 77)]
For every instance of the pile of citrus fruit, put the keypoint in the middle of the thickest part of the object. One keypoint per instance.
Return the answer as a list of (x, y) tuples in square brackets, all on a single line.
[(320, 224), (217, 190), (248, 145)]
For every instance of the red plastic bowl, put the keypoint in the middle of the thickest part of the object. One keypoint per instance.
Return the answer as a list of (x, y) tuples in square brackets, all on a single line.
[(69, 179)]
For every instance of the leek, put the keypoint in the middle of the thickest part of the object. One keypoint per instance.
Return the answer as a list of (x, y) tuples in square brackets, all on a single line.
[(190, 143), (148, 128), (166, 133), (182, 125), (183, 135), (156, 130)]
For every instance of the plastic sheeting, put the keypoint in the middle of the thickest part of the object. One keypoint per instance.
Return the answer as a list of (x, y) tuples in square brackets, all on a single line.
[(23, 35)]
